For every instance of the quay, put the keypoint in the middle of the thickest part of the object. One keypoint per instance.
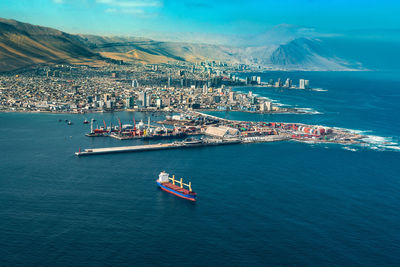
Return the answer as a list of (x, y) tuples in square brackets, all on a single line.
[(160, 146), (265, 139), (122, 149)]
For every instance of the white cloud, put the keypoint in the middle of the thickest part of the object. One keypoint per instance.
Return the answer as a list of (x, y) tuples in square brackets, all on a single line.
[(143, 8), (111, 10), (133, 11), (132, 3)]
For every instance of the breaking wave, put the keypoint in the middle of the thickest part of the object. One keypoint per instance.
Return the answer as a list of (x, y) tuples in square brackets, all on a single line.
[(381, 143)]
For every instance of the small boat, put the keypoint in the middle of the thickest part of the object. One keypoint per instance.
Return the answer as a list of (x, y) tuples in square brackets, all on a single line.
[(165, 136), (66, 120), (170, 185), (96, 134), (85, 121), (192, 142), (69, 123)]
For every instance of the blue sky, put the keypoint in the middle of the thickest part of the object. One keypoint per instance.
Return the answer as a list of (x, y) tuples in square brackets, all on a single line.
[(161, 17)]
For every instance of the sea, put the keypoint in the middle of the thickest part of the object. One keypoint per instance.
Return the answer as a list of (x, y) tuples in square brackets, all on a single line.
[(265, 204)]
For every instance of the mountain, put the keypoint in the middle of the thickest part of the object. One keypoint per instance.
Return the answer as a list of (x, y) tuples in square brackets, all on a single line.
[(133, 49), (309, 54), (298, 54), (23, 45)]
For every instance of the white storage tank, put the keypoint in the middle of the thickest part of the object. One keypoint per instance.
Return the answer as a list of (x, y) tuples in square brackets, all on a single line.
[(176, 117)]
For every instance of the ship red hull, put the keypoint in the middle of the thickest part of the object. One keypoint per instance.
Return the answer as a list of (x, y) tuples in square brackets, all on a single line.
[(183, 194)]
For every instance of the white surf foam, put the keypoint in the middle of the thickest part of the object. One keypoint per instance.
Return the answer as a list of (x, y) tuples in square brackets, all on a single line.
[(350, 149), (381, 143)]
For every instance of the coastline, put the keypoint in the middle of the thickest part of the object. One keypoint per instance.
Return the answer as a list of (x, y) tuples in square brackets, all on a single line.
[(357, 136), (283, 111)]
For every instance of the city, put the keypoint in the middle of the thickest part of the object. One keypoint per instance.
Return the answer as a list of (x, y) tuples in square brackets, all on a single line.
[(199, 133), (157, 87)]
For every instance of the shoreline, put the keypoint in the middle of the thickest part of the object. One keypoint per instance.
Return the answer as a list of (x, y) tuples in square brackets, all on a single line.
[(283, 111), (358, 136)]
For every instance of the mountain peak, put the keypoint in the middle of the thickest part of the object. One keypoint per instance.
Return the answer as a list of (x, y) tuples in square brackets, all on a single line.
[(284, 46)]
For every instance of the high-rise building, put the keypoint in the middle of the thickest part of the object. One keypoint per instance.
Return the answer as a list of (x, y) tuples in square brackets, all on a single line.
[(268, 106), (306, 84), (258, 80), (129, 102), (109, 104), (106, 97), (148, 100), (205, 89), (142, 99), (301, 84), (135, 83), (262, 107), (231, 96), (288, 83), (158, 102)]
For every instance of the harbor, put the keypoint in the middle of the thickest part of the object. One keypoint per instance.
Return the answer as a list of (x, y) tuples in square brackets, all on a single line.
[(140, 130), (214, 131)]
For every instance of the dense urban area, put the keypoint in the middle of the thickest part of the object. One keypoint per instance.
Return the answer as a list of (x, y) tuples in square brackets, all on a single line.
[(167, 87)]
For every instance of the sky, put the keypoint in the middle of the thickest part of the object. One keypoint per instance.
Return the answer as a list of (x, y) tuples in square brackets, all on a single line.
[(191, 19)]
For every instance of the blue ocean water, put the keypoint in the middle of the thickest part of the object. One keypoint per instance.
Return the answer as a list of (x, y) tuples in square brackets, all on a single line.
[(284, 203)]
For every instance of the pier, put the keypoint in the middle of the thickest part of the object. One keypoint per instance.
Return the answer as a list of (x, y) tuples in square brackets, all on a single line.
[(122, 149), (160, 146)]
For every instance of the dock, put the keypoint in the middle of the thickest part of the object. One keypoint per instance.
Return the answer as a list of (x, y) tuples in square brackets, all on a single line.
[(265, 139), (160, 146), (124, 149)]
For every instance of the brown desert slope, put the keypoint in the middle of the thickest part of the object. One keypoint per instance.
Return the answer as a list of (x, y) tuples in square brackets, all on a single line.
[(23, 45), (151, 51)]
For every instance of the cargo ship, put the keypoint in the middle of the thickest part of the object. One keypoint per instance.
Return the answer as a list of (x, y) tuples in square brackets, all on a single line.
[(100, 131), (165, 136), (170, 185)]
